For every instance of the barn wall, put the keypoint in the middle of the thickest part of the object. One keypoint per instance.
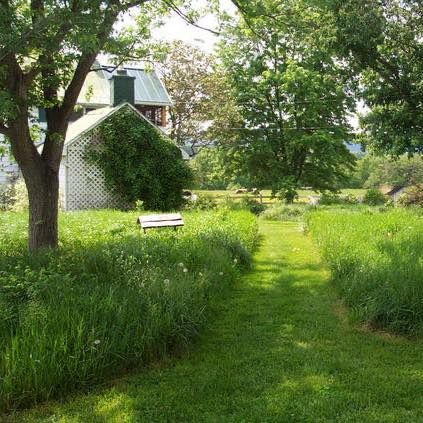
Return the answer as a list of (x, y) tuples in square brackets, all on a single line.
[(62, 183), (84, 185), (9, 170)]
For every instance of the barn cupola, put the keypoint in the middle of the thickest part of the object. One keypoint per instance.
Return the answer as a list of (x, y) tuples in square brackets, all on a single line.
[(122, 88)]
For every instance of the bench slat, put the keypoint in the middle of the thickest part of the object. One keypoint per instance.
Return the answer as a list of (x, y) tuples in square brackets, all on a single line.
[(159, 217), (161, 224), (173, 220)]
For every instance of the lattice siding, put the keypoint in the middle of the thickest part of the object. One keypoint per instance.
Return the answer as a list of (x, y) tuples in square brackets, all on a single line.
[(85, 184)]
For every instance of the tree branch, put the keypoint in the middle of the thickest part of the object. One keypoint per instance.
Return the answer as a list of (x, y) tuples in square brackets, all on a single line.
[(186, 18)]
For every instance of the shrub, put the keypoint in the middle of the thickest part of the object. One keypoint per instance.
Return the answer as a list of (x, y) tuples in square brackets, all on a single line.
[(413, 196), (286, 190), (202, 202), (373, 197), (6, 197), (375, 260), (14, 197), (349, 199), (140, 163), (283, 212), (252, 205), (329, 199), (110, 298), (20, 196)]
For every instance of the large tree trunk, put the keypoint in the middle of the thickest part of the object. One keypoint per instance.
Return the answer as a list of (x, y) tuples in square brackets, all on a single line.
[(41, 175), (43, 195)]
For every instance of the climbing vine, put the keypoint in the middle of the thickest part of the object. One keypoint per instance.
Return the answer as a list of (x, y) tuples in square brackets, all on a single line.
[(140, 162)]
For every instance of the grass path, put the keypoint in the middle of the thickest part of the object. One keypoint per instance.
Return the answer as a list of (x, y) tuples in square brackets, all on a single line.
[(279, 350)]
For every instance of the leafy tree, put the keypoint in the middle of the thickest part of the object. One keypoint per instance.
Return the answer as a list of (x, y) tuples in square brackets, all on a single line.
[(365, 166), (290, 94), (381, 41), (220, 168), (209, 169), (200, 94), (48, 47), (188, 75)]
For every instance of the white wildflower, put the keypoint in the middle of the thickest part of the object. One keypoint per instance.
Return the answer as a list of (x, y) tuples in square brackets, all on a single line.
[(166, 282), (185, 270), (181, 264), (96, 342), (235, 260), (220, 273)]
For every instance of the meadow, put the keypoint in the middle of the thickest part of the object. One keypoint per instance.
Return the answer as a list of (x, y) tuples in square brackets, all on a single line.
[(376, 261), (110, 299)]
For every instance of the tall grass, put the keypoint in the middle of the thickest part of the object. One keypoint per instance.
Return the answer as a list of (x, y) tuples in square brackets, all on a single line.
[(284, 212), (376, 260), (110, 299)]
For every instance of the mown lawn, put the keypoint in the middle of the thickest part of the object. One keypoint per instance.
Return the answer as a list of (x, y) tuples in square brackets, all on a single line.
[(280, 350)]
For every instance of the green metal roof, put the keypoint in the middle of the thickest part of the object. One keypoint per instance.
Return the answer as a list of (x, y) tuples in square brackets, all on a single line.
[(149, 89)]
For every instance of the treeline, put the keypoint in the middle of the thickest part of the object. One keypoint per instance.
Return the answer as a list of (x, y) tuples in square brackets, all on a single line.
[(218, 168), (374, 171)]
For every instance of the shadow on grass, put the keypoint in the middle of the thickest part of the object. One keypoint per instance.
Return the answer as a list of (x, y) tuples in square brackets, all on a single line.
[(276, 352)]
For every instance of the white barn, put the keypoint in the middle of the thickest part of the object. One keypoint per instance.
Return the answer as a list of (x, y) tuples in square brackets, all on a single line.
[(82, 184)]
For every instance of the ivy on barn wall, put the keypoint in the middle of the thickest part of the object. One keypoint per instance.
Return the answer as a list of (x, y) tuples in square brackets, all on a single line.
[(139, 162)]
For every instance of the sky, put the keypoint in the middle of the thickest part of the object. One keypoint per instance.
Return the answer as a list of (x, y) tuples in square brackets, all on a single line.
[(176, 29)]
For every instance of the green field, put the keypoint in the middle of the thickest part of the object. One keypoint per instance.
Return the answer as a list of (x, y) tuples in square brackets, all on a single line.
[(303, 194), (280, 350)]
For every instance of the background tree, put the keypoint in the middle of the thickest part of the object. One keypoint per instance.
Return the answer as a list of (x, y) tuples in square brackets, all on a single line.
[(220, 168), (210, 170), (193, 81), (381, 42), (373, 171), (399, 171), (290, 94)]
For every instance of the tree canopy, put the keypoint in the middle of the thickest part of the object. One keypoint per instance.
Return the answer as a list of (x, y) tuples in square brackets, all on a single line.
[(290, 94), (382, 43), (188, 76)]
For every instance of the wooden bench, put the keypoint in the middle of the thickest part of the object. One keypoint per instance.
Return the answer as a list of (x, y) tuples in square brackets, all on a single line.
[(160, 221)]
